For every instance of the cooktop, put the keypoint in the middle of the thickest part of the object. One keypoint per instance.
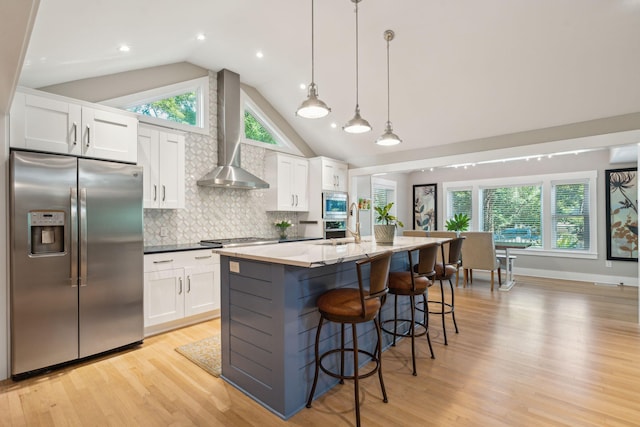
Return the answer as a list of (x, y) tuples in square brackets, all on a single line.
[(238, 241)]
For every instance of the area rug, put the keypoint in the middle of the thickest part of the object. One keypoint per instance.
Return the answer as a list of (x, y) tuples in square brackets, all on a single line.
[(204, 353)]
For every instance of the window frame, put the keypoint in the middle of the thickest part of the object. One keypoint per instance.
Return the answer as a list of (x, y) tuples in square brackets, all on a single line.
[(546, 181), (199, 85), (284, 144)]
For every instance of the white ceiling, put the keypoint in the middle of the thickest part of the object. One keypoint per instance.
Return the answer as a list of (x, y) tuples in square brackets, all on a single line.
[(460, 69)]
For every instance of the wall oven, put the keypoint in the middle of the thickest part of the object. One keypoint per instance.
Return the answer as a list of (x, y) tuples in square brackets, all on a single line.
[(334, 206), (335, 229)]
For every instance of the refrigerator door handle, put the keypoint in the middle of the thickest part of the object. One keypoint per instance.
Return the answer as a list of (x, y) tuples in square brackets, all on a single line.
[(83, 237), (73, 224)]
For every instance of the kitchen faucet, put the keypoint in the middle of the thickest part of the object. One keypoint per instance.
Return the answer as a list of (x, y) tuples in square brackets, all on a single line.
[(356, 233)]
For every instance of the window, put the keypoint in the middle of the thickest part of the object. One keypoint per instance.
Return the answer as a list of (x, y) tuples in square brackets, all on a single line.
[(513, 213), (255, 131), (459, 202), (183, 105), (384, 192), (181, 108), (556, 213), (260, 130), (570, 216)]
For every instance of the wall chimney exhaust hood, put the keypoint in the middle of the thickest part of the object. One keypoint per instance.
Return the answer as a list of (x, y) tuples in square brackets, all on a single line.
[(229, 173)]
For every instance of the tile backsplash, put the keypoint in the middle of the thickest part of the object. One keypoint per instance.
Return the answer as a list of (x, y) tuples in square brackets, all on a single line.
[(212, 212)]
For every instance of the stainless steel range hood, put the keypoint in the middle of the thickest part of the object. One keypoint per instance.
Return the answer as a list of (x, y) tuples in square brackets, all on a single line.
[(229, 174)]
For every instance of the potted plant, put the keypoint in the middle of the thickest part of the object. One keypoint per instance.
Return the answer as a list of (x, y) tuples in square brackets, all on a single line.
[(386, 230), (459, 222), (282, 227)]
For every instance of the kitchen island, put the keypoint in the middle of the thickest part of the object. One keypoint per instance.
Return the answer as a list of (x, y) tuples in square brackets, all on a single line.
[(269, 315)]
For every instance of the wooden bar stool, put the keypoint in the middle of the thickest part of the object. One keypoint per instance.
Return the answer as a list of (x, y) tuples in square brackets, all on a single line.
[(353, 306), (445, 271), (413, 283)]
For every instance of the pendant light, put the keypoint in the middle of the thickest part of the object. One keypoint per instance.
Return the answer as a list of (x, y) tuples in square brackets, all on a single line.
[(357, 124), (388, 137), (312, 107)]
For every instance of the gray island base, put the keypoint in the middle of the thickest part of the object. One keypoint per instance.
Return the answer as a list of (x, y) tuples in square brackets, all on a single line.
[(269, 315)]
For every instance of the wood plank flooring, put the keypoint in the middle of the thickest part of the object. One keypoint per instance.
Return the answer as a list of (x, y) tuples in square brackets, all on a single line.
[(547, 353)]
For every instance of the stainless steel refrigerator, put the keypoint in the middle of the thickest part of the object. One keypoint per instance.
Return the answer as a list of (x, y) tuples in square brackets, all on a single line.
[(76, 258)]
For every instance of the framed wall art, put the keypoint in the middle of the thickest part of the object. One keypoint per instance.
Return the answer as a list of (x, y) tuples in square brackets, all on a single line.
[(425, 209), (622, 214)]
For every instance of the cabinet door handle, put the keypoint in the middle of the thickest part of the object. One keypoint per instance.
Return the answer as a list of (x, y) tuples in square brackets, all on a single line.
[(155, 192), (180, 282), (188, 284), (292, 200), (164, 193), (163, 261), (75, 133), (203, 257), (88, 135), (296, 200)]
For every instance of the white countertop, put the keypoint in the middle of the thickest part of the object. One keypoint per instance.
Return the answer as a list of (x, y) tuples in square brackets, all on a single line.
[(316, 253)]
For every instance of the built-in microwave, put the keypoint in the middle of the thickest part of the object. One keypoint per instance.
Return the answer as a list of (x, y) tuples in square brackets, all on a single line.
[(334, 205)]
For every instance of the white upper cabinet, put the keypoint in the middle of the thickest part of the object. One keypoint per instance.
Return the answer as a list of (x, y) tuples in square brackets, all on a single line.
[(59, 125), (288, 178), (334, 175), (161, 154)]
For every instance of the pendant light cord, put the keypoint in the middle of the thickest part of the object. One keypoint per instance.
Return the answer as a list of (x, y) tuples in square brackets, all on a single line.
[(357, 87), (312, 46), (388, 86)]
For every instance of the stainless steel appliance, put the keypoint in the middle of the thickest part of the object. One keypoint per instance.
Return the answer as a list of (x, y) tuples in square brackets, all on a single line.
[(238, 241), (334, 214), (76, 258), (335, 229), (334, 205)]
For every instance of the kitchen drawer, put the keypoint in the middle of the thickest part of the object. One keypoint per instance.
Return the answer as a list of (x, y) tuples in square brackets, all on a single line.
[(170, 260)]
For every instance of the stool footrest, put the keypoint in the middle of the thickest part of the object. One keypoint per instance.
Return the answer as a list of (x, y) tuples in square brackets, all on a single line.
[(372, 371), (407, 333), (446, 304)]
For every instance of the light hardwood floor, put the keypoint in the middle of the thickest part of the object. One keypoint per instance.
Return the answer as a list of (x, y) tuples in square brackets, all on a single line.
[(545, 353)]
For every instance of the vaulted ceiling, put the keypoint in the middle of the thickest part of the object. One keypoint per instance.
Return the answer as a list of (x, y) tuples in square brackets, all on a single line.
[(461, 71)]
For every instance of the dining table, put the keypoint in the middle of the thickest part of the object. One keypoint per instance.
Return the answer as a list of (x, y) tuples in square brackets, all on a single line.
[(507, 246)]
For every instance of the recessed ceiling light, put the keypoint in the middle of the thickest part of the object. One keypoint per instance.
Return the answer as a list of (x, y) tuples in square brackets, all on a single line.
[(333, 125), (201, 37), (124, 48), (259, 54), (303, 86)]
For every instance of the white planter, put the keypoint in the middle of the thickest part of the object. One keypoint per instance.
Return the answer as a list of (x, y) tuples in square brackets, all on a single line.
[(384, 234)]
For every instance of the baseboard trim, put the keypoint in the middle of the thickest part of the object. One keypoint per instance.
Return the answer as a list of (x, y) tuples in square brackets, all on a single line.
[(598, 279)]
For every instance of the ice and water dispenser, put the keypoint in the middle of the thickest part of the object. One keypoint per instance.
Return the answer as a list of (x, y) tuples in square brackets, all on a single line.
[(46, 232)]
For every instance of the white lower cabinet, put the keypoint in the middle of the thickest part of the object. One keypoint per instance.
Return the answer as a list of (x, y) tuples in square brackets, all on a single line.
[(180, 288)]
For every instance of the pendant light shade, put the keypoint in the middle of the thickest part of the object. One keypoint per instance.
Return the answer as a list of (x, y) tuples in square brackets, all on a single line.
[(357, 124), (388, 137), (312, 107)]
